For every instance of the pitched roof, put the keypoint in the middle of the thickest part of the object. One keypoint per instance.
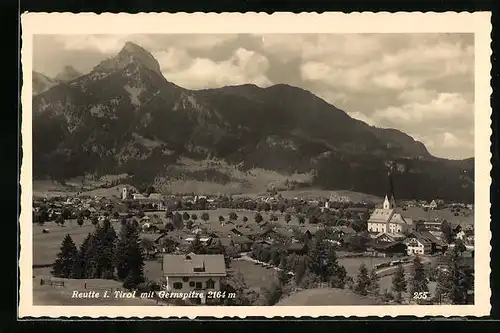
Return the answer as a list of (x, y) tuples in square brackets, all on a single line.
[(194, 265), (381, 215)]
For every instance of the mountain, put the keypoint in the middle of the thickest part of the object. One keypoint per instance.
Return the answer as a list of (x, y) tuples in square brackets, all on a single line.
[(125, 116), (67, 74), (42, 82)]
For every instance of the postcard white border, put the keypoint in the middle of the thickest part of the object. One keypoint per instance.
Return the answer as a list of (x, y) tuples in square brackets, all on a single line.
[(123, 23)]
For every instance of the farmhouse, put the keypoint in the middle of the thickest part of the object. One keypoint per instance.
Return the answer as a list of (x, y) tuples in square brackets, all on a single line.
[(384, 237), (390, 248), (417, 244), (193, 272)]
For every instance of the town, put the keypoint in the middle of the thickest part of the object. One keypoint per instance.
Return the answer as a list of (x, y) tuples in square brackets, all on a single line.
[(262, 250)]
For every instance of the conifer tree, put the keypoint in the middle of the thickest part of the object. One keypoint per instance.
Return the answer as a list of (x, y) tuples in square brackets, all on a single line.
[(418, 281), (454, 282), (362, 281), (80, 270), (322, 262), (374, 283), (106, 238), (66, 258), (196, 246), (129, 258), (399, 283)]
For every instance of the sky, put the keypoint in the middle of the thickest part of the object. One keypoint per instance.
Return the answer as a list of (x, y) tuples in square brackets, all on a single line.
[(421, 84)]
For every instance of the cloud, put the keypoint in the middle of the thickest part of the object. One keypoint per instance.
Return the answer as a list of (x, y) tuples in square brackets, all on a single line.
[(443, 106), (243, 66), (450, 140)]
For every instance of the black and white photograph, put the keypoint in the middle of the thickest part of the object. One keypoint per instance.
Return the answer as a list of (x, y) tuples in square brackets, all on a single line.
[(240, 169)]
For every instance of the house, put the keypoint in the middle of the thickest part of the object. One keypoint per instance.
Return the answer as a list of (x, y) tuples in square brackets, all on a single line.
[(297, 248), (417, 244), (242, 243), (193, 272), (424, 243), (384, 237), (433, 205), (390, 248), (341, 231)]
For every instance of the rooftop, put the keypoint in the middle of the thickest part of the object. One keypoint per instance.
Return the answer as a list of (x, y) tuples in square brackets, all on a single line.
[(194, 265)]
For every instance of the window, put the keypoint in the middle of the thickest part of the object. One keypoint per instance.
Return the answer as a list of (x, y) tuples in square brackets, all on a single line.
[(177, 285), (210, 284), (191, 284), (185, 279), (198, 285)]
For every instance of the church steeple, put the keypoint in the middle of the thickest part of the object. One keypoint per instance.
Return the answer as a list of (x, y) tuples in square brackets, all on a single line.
[(390, 198)]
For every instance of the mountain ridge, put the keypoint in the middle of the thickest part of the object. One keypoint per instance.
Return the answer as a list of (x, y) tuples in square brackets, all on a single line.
[(87, 125)]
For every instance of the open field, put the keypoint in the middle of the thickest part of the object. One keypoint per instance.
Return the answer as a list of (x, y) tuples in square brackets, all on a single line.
[(352, 264), (61, 295), (326, 296), (254, 274), (46, 246), (465, 216)]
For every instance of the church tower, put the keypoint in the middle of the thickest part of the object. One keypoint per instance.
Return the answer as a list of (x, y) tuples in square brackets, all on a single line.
[(124, 193), (390, 198)]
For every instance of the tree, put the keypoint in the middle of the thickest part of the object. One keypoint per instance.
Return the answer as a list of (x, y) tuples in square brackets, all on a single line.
[(301, 219), (460, 246), (148, 245), (197, 246), (79, 220), (60, 220), (233, 216), (129, 260), (245, 219), (169, 215), (80, 269), (221, 218), (323, 263), (288, 218), (185, 216), (258, 218), (169, 226), (140, 214), (399, 283), (418, 280), (447, 231), (66, 259), (374, 288), (454, 279), (362, 281), (273, 293), (273, 217), (194, 217), (177, 221), (94, 220), (205, 217)]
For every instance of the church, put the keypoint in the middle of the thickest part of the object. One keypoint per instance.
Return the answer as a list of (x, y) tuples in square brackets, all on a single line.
[(389, 218)]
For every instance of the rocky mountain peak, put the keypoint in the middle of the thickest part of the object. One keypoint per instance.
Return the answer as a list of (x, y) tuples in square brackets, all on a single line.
[(131, 53), (68, 73)]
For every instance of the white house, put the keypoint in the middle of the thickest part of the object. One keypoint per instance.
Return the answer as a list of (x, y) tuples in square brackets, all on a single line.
[(193, 272), (417, 245)]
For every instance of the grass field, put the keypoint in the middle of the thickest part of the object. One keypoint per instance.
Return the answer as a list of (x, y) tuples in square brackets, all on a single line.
[(326, 296), (62, 295), (352, 264), (46, 246), (465, 216), (254, 274)]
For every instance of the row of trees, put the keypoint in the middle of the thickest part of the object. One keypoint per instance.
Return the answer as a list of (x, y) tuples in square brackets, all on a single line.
[(103, 255)]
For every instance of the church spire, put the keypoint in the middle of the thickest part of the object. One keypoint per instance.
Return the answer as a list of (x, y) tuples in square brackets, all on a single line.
[(390, 198)]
